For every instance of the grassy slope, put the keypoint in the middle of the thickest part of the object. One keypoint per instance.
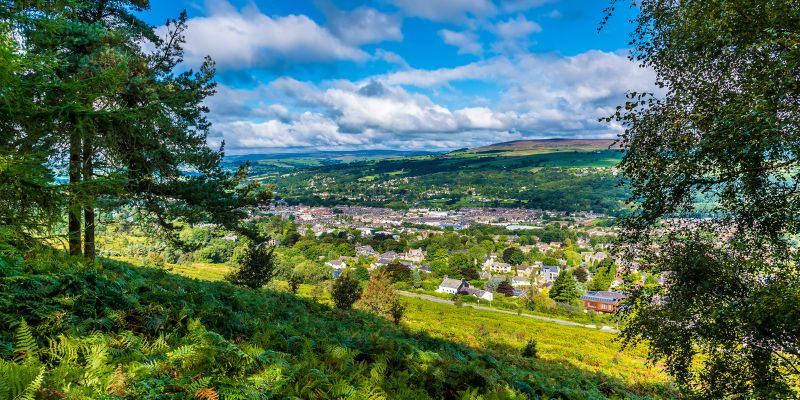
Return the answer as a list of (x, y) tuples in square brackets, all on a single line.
[(134, 332), (568, 355)]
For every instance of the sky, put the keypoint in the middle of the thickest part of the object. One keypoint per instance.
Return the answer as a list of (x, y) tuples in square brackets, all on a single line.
[(427, 75)]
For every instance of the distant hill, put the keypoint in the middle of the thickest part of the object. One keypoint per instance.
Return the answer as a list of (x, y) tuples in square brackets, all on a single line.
[(523, 147), (345, 155)]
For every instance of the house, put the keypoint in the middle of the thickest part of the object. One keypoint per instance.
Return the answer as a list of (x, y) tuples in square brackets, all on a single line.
[(336, 264), (366, 251), (488, 261), (481, 294), (524, 271), (500, 267), (517, 282), (549, 272), (425, 268), (606, 302), (451, 286), (485, 275), (415, 255), (389, 255), (617, 282)]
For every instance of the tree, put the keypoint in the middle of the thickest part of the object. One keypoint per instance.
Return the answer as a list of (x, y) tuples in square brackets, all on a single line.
[(581, 274), (513, 256), (720, 140), (602, 279), (127, 125), (398, 272), (345, 291), (469, 273), (416, 280), (505, 288), (255, 266), (564, 288), (380, 297)]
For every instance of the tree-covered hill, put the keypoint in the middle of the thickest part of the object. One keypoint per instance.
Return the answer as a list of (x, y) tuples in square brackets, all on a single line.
[(558, 180)]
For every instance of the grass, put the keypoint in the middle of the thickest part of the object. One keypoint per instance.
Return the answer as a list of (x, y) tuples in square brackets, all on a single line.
[(121, 331), (564, 351)]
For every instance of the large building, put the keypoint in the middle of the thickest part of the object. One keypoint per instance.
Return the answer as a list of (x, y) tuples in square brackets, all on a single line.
[(606, 302)]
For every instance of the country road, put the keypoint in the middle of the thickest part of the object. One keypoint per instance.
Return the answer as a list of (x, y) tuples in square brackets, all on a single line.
[(477, 307)]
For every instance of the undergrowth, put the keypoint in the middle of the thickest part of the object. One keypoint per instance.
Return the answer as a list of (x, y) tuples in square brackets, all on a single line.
[(113, 330)]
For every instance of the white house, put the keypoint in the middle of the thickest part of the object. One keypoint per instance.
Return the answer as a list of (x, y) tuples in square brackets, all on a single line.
[(451, 286), (549, 272), (517, 282)]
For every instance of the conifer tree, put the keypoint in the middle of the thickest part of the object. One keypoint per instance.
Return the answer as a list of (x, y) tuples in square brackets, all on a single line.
[(565, 289)]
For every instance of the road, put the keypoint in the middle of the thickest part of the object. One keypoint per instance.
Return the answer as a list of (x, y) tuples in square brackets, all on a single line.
[(477, 307)]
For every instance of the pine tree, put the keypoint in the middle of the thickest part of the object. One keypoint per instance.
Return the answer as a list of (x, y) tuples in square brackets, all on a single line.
[(564, 288), (127, 125)]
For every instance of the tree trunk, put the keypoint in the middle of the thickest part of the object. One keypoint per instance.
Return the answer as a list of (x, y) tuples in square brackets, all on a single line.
[(88, 208), (74, 226)]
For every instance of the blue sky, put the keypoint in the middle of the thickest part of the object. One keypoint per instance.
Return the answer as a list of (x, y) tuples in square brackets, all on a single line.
[(407, 74)]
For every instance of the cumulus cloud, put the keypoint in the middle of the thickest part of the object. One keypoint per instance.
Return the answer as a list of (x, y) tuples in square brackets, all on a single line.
[(245, 38), (447, 10), (516, 27), (467, 42), (362, 25), (540, 96)]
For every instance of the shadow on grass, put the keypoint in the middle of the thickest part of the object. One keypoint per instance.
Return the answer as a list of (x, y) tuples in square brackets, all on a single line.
[(314, 345)]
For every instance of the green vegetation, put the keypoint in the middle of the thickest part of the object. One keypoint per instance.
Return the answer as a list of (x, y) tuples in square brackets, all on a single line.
[(162, 334), (725, 129), (563, 180)]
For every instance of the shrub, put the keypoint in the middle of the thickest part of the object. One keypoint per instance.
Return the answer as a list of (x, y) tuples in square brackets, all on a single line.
[(255, 267), (505, 288), (530, 350), (380, 298), (345, 291)]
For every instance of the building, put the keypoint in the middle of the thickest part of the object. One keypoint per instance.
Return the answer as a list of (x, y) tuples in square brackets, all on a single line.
[(500, 267), (415, 255), (366, 251), (451, 286), (549, 272), (517, 282), (606, 302), (524, 271), (481, 294)]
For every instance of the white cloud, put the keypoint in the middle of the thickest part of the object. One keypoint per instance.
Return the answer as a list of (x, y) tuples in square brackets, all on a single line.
[(247, 38), (363, 25), (467, 42), (516, 27), (538, 96), (447, 10)]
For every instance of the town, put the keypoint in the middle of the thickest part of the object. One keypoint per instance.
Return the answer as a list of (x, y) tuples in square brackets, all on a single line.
[(569, 261)]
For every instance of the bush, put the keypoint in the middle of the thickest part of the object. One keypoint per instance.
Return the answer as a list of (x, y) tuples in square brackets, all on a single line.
[(530, 350), (255, 267), (345, 291)]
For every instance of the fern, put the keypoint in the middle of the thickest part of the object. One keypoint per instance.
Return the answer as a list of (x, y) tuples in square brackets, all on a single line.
[(30, 391), (26, 347)]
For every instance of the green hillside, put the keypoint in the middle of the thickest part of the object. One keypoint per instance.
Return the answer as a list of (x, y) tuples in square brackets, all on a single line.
[(120, 331), (567, 180)]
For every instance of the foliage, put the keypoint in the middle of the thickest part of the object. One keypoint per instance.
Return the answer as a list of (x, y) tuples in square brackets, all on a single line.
[(564, 288), (255, 266), (513, 256), (505, 288), (581, 274), (603, 278), (530, 350), (345, 291), (398, 272), (721, 141)]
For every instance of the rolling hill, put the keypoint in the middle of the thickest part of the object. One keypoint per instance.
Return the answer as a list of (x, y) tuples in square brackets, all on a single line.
[(556, 174)]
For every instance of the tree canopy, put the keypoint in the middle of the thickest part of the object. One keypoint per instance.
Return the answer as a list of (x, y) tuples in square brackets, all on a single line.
[(720, 139)]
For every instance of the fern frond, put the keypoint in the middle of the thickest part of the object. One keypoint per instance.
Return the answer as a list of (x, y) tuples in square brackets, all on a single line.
[(26, 347)]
